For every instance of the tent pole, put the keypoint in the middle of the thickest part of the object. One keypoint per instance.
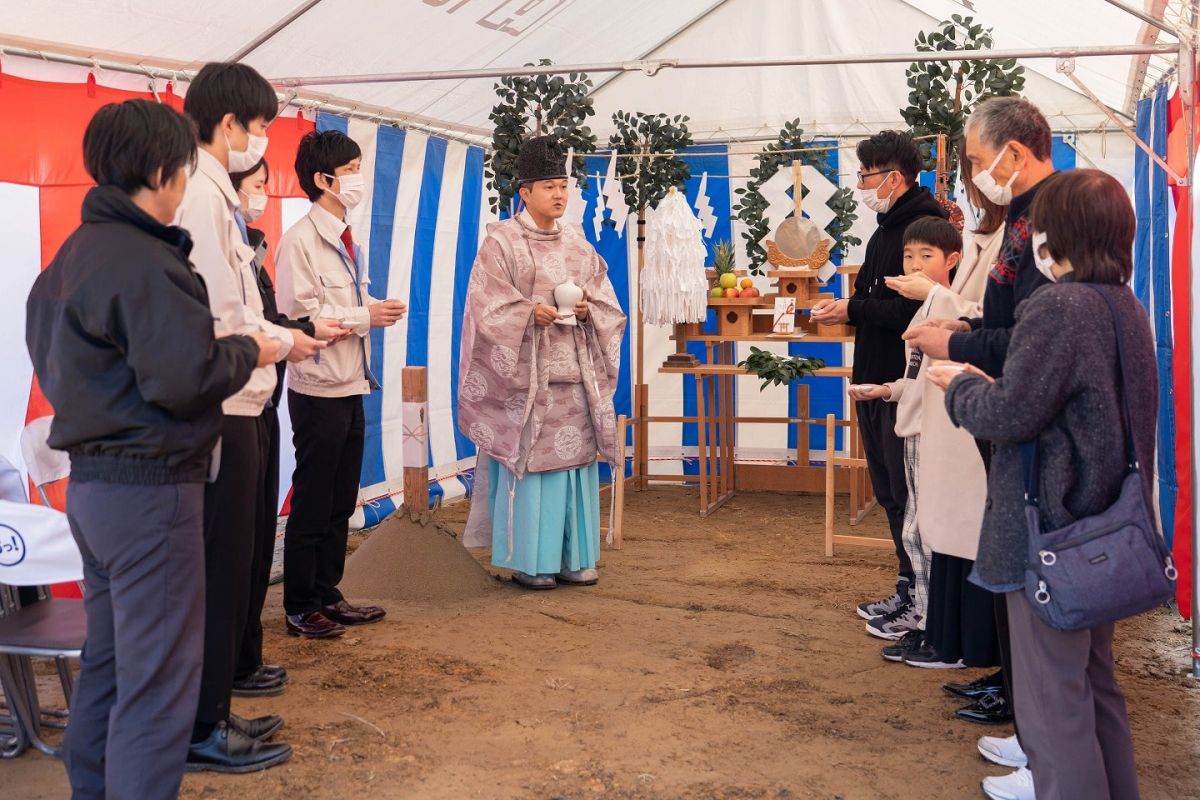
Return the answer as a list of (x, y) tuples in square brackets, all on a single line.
[(303, 100), (1137, 70), (1067, 67), (652, 66), (269, 33), (1146, 18), (687, 26)]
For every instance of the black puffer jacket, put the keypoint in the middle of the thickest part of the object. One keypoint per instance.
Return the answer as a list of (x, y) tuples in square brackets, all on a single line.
[(878, 314), (121, 337)]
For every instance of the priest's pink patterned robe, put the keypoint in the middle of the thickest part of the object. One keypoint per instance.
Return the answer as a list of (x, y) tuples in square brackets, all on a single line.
[(537, 399)]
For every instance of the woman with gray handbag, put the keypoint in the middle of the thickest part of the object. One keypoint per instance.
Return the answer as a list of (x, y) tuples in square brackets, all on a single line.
[(1069, 532)]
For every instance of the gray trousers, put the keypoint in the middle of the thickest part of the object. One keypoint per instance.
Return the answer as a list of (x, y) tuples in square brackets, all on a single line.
[(143, 565), (1074, 727)]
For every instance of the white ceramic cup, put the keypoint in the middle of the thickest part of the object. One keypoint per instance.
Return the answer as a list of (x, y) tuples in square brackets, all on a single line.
[(566, 295)]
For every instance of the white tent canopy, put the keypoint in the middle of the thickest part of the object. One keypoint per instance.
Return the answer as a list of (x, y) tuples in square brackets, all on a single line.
[(353, 37)]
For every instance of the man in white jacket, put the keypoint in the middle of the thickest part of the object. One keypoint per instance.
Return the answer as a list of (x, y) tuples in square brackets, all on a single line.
[(322, 272), (231, 105)]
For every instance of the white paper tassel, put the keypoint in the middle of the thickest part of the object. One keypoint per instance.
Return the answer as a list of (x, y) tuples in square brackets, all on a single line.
[(674, 288), (614, 196)]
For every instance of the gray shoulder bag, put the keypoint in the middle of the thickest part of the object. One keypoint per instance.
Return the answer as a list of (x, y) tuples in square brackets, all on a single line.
[(1101, 568)]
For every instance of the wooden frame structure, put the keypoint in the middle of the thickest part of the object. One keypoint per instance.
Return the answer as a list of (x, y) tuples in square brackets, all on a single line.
[(862, 497)]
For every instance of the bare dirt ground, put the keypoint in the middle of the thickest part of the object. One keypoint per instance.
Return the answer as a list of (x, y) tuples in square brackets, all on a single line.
[(718, 658)]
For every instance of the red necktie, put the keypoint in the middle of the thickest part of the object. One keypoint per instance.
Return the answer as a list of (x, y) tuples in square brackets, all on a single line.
[(348, 240)]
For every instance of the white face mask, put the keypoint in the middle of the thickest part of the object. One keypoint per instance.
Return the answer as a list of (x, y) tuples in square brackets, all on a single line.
[(873, 201), (246, 160), (255, 205), (984, 182), (353, 187), (1044, 264)]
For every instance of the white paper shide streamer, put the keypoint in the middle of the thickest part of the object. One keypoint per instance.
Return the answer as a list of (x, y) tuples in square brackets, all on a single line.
[(674, 288)]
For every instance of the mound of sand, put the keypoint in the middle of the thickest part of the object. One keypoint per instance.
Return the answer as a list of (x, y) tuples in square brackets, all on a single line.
[(417, 562)]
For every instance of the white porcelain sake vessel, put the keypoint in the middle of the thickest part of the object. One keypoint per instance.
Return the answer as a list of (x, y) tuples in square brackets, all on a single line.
[(566, 295)]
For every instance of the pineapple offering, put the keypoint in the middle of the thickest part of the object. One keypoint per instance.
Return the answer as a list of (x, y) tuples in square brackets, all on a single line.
[(727, 285)]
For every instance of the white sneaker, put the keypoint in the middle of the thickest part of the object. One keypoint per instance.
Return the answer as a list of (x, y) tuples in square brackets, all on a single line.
[(1005, 751), (1015, 786)]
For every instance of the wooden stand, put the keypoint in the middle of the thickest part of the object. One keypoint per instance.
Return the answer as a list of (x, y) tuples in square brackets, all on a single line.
[(720, 475), (862, 498)]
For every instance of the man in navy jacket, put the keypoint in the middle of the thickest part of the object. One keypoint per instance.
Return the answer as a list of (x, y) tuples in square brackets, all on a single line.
[(121, 337)]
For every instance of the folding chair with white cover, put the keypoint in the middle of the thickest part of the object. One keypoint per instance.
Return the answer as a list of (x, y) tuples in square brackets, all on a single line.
[(36, 549), (45, 464)]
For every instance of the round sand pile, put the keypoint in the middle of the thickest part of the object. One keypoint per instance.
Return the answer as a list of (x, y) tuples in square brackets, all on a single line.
[(415, 562)]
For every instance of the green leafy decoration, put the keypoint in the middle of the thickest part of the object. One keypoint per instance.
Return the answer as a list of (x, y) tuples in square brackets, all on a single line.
[(648, 179), (776, 370), (942, 95), (752, 206), (534, 105)]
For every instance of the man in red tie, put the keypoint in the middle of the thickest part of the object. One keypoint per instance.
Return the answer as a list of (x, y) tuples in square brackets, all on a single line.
[(321, 273)]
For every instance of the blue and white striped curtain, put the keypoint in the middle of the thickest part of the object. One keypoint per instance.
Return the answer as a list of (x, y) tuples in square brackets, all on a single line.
[(1152, 284)]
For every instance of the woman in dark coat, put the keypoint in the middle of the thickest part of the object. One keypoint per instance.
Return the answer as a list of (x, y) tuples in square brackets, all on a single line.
[(1062, 387)]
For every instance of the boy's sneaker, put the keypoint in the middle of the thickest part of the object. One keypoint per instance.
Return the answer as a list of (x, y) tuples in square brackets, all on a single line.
[(908, 643), (1016, 786), (1005, 751), (881, 608), (894, 625), (925, 656)]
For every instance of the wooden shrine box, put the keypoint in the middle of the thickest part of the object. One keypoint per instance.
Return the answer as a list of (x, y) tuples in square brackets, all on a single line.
[(735, 315), (797, 283)]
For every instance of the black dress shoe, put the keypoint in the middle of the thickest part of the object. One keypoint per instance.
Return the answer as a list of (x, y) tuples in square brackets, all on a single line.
[(277, 671), (991, 709), (313, 625), (258, 684), (261, 728), (988, 684), (229, 750), (346, 614)]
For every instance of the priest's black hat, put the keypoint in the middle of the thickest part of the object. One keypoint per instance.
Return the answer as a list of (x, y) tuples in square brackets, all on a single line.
[(541, 159)]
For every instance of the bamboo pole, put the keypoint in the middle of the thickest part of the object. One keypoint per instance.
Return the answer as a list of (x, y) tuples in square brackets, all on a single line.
[(830, 457), (797, 186)]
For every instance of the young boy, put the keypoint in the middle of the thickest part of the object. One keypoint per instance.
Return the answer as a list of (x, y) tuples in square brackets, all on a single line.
[(231, 105), (322, 274), (932, 250)]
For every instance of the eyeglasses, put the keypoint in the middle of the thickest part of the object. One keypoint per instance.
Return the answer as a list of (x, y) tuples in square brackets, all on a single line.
[(864, 175)]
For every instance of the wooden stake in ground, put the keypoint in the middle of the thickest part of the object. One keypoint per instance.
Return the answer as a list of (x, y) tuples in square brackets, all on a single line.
[(411, 557), (414, 392)]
